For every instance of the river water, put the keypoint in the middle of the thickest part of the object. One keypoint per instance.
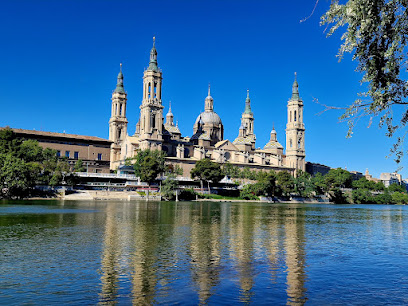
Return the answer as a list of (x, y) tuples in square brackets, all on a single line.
[(189, 253)]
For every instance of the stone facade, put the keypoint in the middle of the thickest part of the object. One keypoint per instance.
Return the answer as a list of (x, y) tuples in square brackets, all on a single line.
[(207, 140)]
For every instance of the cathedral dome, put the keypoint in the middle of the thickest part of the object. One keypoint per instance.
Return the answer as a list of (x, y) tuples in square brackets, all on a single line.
[(209, 118)]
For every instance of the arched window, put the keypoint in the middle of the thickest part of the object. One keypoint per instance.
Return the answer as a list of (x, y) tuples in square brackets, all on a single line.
[(153, 120), (295, 116), (290, 143), (290, 116)]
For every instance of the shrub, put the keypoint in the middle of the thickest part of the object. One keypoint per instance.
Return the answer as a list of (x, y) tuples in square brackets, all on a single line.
[(187, 195)]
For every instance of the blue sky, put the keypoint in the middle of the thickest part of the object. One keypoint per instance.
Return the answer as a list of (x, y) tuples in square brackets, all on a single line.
[(59, 61)]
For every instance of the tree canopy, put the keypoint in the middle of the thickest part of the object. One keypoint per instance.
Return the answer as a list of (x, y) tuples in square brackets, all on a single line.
[(23, 164), (377, 36), (149, 164), (207, 170)]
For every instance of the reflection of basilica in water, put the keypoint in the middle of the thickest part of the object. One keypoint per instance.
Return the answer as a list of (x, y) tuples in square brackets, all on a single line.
[(153, 253)]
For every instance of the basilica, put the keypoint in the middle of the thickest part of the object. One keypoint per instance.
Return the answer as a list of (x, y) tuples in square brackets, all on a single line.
[(207, 140)]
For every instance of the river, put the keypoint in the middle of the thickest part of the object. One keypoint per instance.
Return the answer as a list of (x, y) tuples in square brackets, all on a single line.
[(189, 253)]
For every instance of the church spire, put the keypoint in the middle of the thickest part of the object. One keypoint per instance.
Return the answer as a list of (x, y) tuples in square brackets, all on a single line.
[(295, 89), (153, 57), (248, 104), (119, 84)]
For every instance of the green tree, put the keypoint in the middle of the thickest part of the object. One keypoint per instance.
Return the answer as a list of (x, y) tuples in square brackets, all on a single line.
[(304, 185), (16, 177), (23, 164), (319, 184), (362, 196), (376, 34), (9, 143), (399, 198), (397, 188), (149, 164), (285, 182), (206, 170), (379, 186), (231, 170), (383, 198), (338, 178), (79, 166), (337, 196), (251, 191), (169, 186), (363, 183)]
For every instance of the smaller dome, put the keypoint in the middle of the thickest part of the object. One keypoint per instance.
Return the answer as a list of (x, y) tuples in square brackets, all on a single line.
[(273, 145), (172, 129), (242, 140)]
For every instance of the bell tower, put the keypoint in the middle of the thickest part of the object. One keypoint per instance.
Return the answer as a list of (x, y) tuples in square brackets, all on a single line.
[(248, 121), (295, 131), (150, 125), (118, 121)]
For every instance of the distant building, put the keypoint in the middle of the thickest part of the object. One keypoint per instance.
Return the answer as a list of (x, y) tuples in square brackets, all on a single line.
[(391, 178), (93, 151), (356, 175), (369, 177), (314, 168)]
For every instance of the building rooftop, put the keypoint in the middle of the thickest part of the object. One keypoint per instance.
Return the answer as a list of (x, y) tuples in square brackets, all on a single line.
[(61, 135)]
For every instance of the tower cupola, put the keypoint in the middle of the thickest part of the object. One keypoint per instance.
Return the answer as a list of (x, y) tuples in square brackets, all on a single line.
[(119, 84), (248, 104), (295, 89), (169, 116), (153, 57), (209, 101)]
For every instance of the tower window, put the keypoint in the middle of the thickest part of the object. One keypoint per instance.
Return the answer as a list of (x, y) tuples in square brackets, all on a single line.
[(295, 116), (154, 121), (290, 116), (120, 110), (290, 142), (119, 133)]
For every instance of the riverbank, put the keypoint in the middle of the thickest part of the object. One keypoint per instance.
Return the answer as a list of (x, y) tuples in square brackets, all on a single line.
[(133, 195)]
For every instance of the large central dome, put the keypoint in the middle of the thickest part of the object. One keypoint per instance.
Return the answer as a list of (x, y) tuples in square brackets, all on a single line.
[(208, 124), (209, 118)]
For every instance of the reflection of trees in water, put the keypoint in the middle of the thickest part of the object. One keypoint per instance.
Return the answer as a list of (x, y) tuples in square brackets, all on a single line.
[(153, 255), (205, 251), (242, 247)]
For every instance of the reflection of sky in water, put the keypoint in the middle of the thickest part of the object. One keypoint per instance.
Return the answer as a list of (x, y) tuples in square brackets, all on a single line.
[(199, 253)]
